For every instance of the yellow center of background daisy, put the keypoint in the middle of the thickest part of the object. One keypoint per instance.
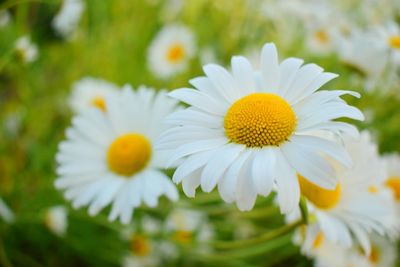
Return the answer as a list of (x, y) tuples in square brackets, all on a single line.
[(319, 239), (99, 103), (320, 197), (394, 41), (394, 184), (321, 36), (183, 237), (175, 53), (260, 119), (128, 154), (140, 245)]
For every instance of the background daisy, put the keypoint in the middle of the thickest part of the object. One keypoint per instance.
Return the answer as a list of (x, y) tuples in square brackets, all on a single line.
[(108, 157)]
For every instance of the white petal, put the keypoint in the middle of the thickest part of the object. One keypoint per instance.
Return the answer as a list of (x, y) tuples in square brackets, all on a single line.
[(288, 69), (262, 170), (190, 184), (244, 74), (246, 193), (270, 68), (217, 165), (310, 165)]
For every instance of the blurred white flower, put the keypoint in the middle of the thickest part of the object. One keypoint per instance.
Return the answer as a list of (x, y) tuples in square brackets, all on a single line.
[(5, 212), (170, 51), (89, 92), (358, 206), (109, 157), (246, 131), (26, 50), (5, 18), (392, 162), (389, 35), (143, 252), (56, 220), (67, 19)]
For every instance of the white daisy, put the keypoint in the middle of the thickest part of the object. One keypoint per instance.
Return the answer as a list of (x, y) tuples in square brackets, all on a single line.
[(89, 92), (392, 162), (5, 18), (108, 157), (56, 220), (67, 19), (171, 50), (363, 51), (389, 35), (246, 131), (357, 206), (143, 252), (26, 50), (5, 212)]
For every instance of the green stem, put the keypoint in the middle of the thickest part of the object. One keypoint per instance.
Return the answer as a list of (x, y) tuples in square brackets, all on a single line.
[(3, 256), (248, 251), (304, 209), (261, 239)]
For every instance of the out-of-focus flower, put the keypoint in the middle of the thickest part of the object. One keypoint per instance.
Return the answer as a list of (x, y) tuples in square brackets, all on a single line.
[(364, 52), (5, 18), (5, 212), (171, 50), (358, 206), (67, 19), (393, 168), (389, 35), (89, 92), (109, 156), (56, 220), (26, 50), (142, 252), (247, 131)]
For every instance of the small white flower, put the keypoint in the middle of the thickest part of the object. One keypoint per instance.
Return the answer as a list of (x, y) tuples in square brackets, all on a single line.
[(26, 50), (392, 162), (56, 220), (89, 92), (5, 18), (67, 19), (389, 36), (171, 50), (5, 212), (246, 131), (358, 206), (109, 157)]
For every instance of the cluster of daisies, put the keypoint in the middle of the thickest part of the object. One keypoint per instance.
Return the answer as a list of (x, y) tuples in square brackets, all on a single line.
[(246, 132)]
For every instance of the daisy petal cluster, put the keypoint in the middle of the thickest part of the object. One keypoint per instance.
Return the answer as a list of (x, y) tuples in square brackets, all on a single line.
[(246, 131), (109, 157)]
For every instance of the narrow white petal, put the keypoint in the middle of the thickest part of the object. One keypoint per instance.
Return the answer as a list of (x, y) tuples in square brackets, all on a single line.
[(262, 170), (270, 68), (244, 74)]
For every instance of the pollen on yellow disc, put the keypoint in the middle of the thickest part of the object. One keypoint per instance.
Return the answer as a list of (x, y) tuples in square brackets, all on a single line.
[(260, 119), (99, 102), (320, 197), (183, 237), (129, 154), (394, 184), (140, 245), (321, 36), (318, 240), (394, 41), (175, 53)]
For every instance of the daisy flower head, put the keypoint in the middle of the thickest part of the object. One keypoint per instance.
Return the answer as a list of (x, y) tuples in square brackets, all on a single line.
[(26, 50), (246, 131), (389, 34), (170, 51), (56, 220), (359, 204), (91, 92), (109, 157), (67, 19), (392, 162)]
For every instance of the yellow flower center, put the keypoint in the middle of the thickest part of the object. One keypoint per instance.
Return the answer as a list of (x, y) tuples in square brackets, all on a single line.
[(394, 41), (129, 154), (140, 245), (99, 103), (394, 184), (321, 36), (175, 53), (374, 255), (183, 237), (318, 240), (373, 189), (320, 197), (260, 119)]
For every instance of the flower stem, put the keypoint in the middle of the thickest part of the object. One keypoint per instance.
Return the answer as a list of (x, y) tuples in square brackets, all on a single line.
[(260, 239)]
